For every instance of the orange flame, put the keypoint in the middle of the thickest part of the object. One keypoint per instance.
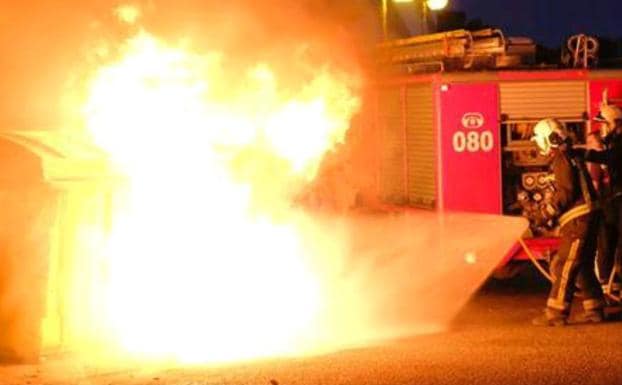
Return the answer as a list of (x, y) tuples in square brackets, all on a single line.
[(204, 261)]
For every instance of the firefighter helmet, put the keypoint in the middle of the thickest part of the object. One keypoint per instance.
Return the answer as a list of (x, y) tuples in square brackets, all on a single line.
[(549, 133), (610, 116)]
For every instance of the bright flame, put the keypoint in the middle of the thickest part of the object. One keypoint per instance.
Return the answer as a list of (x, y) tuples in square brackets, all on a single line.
[(127, 13), (204, 261)]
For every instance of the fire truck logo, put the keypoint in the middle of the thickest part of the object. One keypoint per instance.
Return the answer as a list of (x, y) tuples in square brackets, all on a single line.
[(472, 120)]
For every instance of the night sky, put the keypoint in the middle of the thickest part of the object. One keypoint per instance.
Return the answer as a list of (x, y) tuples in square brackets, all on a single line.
[(549, 22)]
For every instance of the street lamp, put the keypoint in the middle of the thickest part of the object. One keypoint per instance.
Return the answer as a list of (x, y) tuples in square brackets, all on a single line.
[(434, 5)]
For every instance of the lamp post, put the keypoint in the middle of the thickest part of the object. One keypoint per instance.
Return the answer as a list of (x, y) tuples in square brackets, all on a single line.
[(384, 19), (434, 5)]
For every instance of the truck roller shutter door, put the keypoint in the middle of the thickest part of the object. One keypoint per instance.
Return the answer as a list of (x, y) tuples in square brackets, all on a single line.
[(421, 154), (540, 99), (390, 119)]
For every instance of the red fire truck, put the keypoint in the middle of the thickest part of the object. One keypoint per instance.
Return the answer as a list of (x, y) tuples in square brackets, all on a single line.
[(460, 140)]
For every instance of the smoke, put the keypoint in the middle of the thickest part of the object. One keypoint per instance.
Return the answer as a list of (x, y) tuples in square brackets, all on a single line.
[(43, 43), (49, 51), (25, 225), (407, 273), (385, 276)]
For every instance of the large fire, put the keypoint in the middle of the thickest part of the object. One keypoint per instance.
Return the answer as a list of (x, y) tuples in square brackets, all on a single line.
[(207, 229), (205, 259)]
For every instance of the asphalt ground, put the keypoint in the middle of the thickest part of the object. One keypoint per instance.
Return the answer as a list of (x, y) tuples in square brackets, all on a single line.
[(491, 341)]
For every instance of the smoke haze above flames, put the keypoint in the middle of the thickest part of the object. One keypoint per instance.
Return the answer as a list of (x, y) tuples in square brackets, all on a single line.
[(44, 43)]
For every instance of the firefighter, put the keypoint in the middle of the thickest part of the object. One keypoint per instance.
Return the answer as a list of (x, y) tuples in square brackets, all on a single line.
[(598, 172), (606, 229), (575, 203), (610, 252)]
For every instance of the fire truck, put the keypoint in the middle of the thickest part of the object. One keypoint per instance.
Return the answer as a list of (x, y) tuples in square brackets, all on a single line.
[(452, 114)]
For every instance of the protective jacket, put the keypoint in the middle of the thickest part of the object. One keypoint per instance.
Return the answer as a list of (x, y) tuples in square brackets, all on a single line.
[(611, 157), (575, 195), (610, 236)]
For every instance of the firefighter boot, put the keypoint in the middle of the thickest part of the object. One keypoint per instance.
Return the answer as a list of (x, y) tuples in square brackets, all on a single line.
[(593, 311), (551, 317), (590, 316), (612, 309), (613, 312)]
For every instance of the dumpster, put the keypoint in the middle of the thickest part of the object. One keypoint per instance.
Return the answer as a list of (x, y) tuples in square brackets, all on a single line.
[(56, 192)]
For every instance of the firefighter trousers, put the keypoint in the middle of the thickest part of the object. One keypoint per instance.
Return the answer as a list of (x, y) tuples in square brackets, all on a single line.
[(573, 266), (610, 240)]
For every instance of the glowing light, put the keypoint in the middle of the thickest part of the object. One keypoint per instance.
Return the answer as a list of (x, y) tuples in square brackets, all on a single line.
[(432, 4), (204, 260), (470, 258), (436, 5), (127, 13)]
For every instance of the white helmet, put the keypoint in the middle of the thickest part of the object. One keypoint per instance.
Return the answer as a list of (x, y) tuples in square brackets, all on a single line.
[(549, 133), (610, 116)]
